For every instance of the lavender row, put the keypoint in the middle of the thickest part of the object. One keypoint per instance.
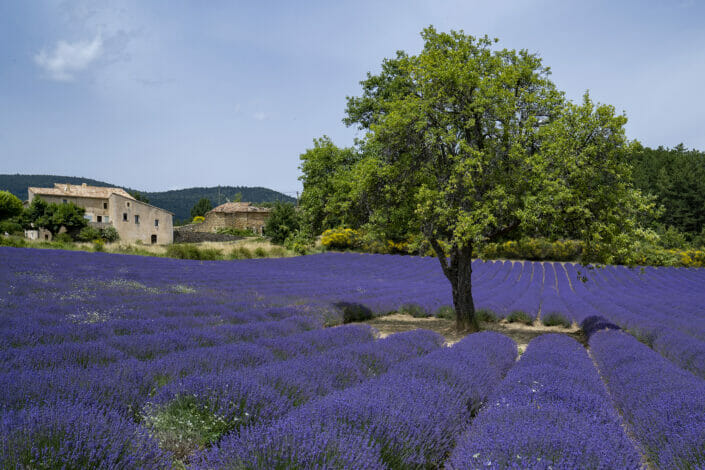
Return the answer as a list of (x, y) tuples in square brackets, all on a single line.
[(664, 405), (234, 400), (68, 434), (551, 411), (407, 418), (126, 385)]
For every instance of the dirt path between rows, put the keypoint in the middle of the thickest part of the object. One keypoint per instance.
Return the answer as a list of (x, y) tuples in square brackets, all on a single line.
[(520, 333)]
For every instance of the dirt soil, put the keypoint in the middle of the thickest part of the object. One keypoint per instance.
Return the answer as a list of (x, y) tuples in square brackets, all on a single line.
[(520, 333)]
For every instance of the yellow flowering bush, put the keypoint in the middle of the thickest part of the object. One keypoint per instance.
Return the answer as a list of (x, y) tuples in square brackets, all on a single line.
[(198, 219), (340, 238)]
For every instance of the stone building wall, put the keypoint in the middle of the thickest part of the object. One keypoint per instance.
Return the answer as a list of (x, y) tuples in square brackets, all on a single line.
[(254, 221), (138, 221)]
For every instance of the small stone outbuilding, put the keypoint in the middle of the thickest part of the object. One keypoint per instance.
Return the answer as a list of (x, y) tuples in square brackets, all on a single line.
[(240, 215)]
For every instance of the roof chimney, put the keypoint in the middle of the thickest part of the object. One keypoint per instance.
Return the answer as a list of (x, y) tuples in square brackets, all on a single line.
[(83, 185)]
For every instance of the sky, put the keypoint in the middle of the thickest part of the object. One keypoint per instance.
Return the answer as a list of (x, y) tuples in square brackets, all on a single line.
[(158, 95)]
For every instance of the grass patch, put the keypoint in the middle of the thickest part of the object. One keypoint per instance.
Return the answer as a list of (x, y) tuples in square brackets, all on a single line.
[(185, 425), (486, 315), (414, 310), (517, 316), (555, 319), (446, 312), (189, 251)]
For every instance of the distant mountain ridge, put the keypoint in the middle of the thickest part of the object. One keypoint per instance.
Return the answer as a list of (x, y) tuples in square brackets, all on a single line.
[(178, 201)]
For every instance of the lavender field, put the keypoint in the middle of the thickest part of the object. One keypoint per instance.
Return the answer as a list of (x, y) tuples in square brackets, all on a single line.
[(114, 361)]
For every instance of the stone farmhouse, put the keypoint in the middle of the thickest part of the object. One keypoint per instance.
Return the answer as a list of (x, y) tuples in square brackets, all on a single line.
[(134, 220), (240, 215)]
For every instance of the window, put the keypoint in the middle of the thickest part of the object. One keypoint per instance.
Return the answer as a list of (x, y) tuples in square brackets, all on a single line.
[(64, 201), (154, 239), (106, 219), (99, 218), (124, 216), (105, 205), (128, 204), (156, 222), (137, 219), (89, 217)]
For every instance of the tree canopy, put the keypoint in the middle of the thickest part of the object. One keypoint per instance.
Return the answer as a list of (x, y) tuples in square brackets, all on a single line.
[(202, 206), (10, 205), (466, 144)]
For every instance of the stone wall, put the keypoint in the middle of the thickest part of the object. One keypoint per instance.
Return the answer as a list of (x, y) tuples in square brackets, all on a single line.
[(254, 221), (188, 236), (135, 220)]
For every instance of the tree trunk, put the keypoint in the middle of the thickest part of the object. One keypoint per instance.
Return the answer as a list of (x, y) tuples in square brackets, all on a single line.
[(459, 273), (462, 290)]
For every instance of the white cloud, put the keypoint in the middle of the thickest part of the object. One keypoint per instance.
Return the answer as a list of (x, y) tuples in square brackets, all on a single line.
[(69, 58)]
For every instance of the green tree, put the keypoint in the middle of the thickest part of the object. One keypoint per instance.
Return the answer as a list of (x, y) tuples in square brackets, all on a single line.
[(10, 205), (467, 145), (283, 221), (54, 216), (140, 197), (328, 180), (202, 206)]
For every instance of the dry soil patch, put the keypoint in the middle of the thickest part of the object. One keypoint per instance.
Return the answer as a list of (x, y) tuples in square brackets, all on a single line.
[(520, 333)]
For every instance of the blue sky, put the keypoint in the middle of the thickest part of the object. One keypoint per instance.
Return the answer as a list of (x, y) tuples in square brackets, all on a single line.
[(160, 95)]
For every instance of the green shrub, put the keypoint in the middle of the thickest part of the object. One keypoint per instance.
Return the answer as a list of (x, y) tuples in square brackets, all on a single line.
[(88, 234), (486, 315), (299, 242), (11, 227), (353, 312), (63, 238), (98, 245), (13, 241), (277, 252), (537, 249), (260, 252), (555, 319), (283, 221), (517, 316), (10, 205), (240, 252), (109, 234), (446, 312), (414, 310), (236, 232), (188, 251)]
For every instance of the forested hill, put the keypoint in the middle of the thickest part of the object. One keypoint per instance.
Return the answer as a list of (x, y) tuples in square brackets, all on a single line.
[(179, 201)]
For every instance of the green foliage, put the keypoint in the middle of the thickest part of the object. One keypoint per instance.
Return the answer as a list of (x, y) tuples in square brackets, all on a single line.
[(327, 176), (299, 242), (53, 216), (63, 238), (517, 316), (236, 232), (139, 196), (260, 252), (676, 177), (88, 234), (201, 207), (11, 226), (10, 205), (98, 245), (486, 315), (414, 310), (240, 252), (189, 251), (537, 249), (555, 319), (15, 242), (353, 312), (283, 221), (185, 425), (447, 312), (470, 145), (109, 234)]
